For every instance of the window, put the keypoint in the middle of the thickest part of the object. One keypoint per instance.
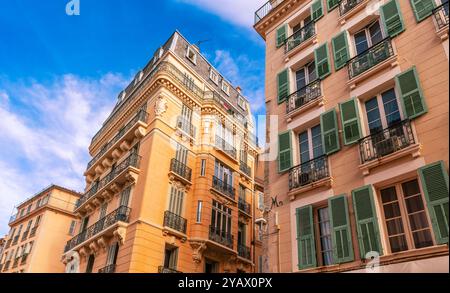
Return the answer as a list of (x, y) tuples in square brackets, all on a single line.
[(171, 257), (242, 193), (181, 154), (112, 254), (301, 24), (29, 225), (203, 167), (260, 264), (220, 219), (28, 209), (214, 76), (38, 203), (73, 224), (368, 37), (20, 230), (22, 211), (125, 196), (406, 220), (176, 199), (305, 76), (241, 102), (211, 267), (325, 251), (90, 264), (225, 133), (225, 87), (223, 173), (84, 224), (103, 209), (310, 144), (199, 211), (260, 201), (382, 111), (188, 81), (242, 234), (191, 55)]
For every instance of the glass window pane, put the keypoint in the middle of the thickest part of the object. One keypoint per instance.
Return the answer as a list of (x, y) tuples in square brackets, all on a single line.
[(375, 33), (312, 72), (325, 236), (301, 78), (398, 243), (361, 42), (373, 116), (317, 141), (395, 226), (391, 108), (422, 239), (410, 188), (418, 221), (414, 204), (388, 195), (304, 147)]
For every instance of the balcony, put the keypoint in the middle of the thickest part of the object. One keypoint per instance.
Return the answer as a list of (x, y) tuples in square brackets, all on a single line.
[(266, 9), (25, 235), (303, 98), (175, 222), (300, 37), (164, 270), (370, 58), (224, 188), (15, 240), (225, 147), (245, 169), (346, 5), (440, 15), (309, 174), (127, 133), (186, 126), (387, 144), (221, 237), (244, 251), (181, 170), (121, 214), (118, 175), (33, 231), (109, 269), (244, 206), (214, 98)]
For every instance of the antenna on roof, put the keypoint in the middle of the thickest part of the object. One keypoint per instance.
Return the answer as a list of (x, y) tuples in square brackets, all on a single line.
[(201, 42)]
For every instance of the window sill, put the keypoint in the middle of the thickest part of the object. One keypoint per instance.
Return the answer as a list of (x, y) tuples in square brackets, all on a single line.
[(326, 182), (343, 19), (391, 63), (172, 232), (311, 41), (442, 33), (318, 102), (413, 150)]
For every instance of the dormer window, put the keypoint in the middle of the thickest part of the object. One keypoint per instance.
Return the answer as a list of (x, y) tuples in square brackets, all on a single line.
[(225, 87), (241, 102), (214, 76), (191, 55), (122, 96)]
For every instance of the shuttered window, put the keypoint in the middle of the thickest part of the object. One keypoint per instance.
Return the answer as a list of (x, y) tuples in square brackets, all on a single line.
[(341, 232), (422, 8), (392, 18), (330, 138), (340, 50), (283, 85), (305, 238), (317, 10), (366, 219), (284, 151), (411, 93), (331, 4), (281, 35), (176, 199), (350, 121), (434, 180), (322, 60)]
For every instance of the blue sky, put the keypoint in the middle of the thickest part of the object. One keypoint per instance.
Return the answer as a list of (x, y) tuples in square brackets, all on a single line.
[(60, 75)]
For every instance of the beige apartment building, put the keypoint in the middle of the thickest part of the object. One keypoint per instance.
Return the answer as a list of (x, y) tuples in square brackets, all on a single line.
[(39, 231), (171, 184), (360, 90)]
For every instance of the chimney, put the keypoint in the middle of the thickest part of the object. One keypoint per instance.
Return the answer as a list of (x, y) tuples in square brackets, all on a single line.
[(238, 88)]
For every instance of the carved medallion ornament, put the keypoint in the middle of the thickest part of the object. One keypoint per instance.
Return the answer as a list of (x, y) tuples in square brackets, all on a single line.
[(197, 251), (160, 106)]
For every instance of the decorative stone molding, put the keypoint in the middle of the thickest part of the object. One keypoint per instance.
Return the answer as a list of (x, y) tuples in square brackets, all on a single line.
[(160, 106), (125, 146), (116, 153), (83, 251), (131, 177), (99, 169), (96, 202), (94, 248), (106, 163), (102, 243), (119, 235), (115, 189), (197, 253), (140, 132)]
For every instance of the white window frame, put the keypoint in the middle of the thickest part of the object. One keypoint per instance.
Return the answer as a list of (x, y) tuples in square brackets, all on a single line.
[(310, 143), (198, 217), (203, 167), (368, 37), (241, 102), (213, 73), (225, 87), (190, 51)]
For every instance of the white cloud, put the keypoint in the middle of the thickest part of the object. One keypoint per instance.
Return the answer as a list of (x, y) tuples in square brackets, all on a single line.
[(240, 12), (46, 130)]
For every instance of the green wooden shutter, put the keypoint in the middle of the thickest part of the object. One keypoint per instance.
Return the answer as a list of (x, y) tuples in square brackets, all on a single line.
[(340, 229), (317, 10), (284, 151), (322, 61), (366, 219), (306, 247), (281, 35), (340, 50), (392, 18), (330, 130), (283, 85), (434, 180), (413, 101), (350, 121), (422, 8), (331, 4)]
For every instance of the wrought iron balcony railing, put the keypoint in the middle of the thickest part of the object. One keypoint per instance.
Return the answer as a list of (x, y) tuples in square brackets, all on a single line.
[(244, 251), (370, 58), (15, 240), (224, 187), (132, 160), (25, 235), (300, 36), (245, 168), (186, 126), (164, 270), (109, 269), (386, 141), (15, 263), (181, 169), (220, 236), (121, 214), (303, 96), (225, 146), (244, 206), (175, 222), (33, 231), (440, 14), (309, 172), (347, 5), (141, 116), (264, 10)]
